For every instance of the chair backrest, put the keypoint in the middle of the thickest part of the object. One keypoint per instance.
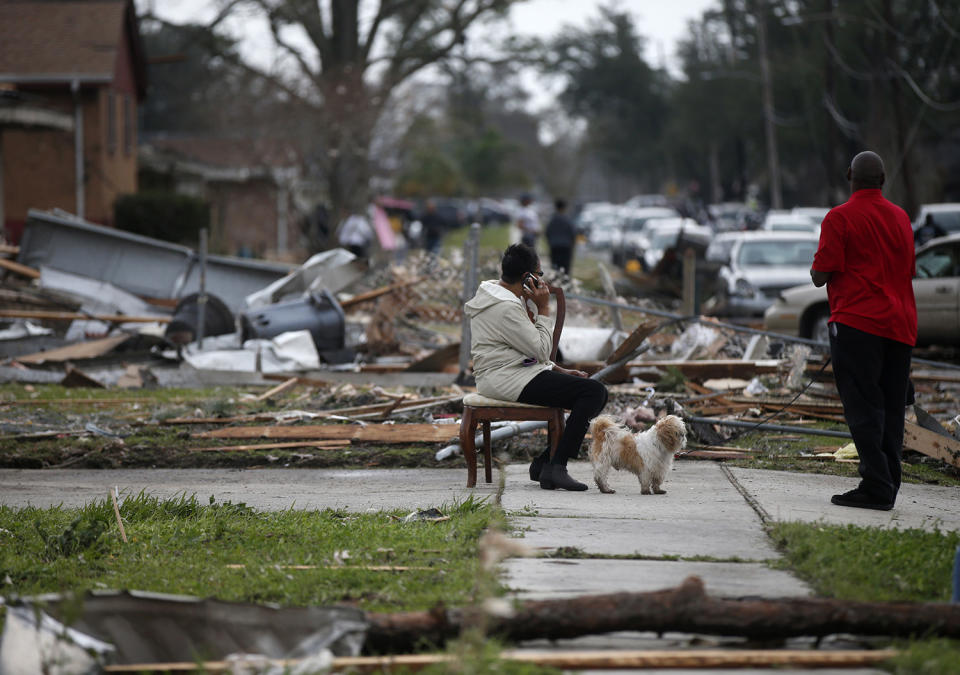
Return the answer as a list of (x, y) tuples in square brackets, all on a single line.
[(558, 322)]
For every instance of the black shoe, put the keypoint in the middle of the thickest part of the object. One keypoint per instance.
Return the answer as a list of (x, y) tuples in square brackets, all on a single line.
[(536, 466), (861, 500), (555, 477)]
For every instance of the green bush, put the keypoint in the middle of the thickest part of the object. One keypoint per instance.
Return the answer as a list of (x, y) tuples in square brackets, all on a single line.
[(162, 215)]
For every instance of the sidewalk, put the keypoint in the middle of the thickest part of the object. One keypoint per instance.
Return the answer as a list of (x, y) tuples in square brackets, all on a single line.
[(710, 513)]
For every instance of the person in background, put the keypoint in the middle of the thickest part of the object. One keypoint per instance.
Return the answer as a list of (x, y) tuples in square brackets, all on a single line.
[(528, 222), (433, 227), (561, 236), (356, 235), (866, 259), (511, 343)]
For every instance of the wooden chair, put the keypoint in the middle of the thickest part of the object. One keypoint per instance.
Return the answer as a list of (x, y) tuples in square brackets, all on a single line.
[(479, 409)]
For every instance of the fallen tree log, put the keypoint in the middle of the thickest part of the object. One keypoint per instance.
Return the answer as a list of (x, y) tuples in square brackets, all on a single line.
[(382, 433), (686, 609)]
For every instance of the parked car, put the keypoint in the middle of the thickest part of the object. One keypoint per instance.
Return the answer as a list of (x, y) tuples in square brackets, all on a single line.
[(814, 213), (804, 310), (789, 222), (718, 252), (762, 264), (945, 219), (635, 226), (665, 235)]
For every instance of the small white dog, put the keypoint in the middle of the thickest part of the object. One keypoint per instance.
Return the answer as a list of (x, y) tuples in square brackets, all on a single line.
[(647, 454)]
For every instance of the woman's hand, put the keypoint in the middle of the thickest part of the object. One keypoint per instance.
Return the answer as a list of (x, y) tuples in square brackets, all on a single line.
[(539, 292), (567, 371)]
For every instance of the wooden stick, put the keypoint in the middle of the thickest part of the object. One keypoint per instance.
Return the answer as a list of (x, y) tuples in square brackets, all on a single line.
[(77, 401), (279, 389), (116, 510), (627, 659), (325, 445), (10, 250), (17, 268), (377, 292), (79, 316), (384, 433)]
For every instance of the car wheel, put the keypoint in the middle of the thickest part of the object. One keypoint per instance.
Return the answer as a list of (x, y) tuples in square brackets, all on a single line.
[(819, 331)]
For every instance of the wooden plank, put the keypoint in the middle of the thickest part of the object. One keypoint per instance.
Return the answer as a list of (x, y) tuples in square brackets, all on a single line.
[(566, 660), (279, 389), (9, 250), (78, 378), (931, 443), (381, 433), (43, 315), (324, 445), (634, 340), (17, 268), (377, 292), (81, 350), (364, 568), (707, 369)]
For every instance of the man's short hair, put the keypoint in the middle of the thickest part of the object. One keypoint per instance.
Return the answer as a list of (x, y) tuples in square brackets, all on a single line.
[(517, 261), (560, 204)]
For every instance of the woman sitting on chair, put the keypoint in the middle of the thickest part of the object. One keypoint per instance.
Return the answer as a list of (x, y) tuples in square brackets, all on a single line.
[(511, 340)]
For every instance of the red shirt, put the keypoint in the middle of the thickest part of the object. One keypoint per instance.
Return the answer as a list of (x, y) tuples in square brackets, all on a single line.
[(867, 243)]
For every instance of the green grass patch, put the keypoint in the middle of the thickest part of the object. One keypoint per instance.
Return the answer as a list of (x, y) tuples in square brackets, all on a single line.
[(184, 546), (493, 239), (869, 564), (926, 657)]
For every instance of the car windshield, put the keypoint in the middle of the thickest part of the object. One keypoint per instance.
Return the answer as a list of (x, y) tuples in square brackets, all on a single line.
[(948, 221), (792, 227), (769, 253), (661, 239)]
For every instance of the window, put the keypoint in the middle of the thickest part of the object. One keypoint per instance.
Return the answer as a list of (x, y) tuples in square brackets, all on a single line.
[(111, 123), (127, 125), (936, 263)]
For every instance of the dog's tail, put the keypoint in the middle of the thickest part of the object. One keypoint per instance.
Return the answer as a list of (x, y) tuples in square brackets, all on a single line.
[(601, 423)]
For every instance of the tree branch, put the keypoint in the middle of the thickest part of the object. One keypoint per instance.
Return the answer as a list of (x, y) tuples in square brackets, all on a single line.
[(273, 18)]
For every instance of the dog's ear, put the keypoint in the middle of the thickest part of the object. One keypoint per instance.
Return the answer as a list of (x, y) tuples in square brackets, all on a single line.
[(671, 432)]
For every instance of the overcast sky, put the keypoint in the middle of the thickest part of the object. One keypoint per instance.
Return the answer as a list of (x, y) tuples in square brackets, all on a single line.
[(661, 22)]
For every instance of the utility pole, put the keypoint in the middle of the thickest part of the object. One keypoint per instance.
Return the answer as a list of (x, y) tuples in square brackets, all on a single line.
[(773, 161)]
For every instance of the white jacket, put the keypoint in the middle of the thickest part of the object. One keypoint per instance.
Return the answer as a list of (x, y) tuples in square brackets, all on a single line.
[(508, 350)]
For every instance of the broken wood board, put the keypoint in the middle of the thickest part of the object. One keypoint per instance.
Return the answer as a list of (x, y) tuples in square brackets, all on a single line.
[(444, 359), (377, 292), (17, 268), (380, 433), (44, 315), (931, 443), (324, 445), (81, 350), (634, 340), (78, 378), (716, 455), (708, 369), (7, 249), (606, 659), (364, 568), (78, 401), (279, 389)]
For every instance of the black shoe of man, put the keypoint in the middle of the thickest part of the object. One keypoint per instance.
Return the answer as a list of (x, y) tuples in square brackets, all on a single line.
[(536, 466), (861, 500), (555, 477)]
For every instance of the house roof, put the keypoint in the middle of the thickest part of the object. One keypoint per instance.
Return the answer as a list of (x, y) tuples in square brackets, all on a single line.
[(54, 41), (231, 152)]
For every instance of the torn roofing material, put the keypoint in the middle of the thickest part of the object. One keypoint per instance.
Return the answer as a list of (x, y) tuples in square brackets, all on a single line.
[(137, 264)]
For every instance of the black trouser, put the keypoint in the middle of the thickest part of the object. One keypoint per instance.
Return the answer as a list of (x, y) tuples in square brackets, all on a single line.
[(561, 257), (583, 397), (872, 375)]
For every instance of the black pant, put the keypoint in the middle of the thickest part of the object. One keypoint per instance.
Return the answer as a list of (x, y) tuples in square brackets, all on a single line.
[(583, 397), (561, 257), (872, 375)]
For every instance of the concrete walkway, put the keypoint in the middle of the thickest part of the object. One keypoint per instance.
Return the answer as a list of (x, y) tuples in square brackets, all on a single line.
[(709, 524)]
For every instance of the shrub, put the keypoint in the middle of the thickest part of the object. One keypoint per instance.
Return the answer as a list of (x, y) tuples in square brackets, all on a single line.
[(162, 215)]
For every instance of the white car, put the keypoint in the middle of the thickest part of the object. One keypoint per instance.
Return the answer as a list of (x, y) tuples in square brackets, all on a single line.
[(804, 311), (667, 232), (762, 264), (945, 219), (814, 213), (635, 231), (789, 222)]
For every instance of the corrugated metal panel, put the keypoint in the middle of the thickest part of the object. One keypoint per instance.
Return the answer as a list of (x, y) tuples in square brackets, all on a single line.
[(141, 265)]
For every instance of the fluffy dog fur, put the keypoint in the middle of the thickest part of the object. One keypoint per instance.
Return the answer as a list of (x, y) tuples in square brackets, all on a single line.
[(646, 454)]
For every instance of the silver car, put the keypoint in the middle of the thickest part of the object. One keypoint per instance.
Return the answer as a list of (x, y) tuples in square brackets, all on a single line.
[(804, 311), (762, 264)]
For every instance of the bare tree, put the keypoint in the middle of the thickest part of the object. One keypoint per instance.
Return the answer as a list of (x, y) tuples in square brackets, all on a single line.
[(349, 56)]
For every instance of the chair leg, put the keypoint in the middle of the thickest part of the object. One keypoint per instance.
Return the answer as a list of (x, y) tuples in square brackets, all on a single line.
[(468, 429), (487, 453)]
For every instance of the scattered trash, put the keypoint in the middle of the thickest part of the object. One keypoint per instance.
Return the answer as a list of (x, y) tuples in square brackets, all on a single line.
[(430, 515), (848, 451), (755, 388)]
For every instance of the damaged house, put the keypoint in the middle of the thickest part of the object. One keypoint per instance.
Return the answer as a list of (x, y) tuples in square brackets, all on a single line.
[(83, 60)]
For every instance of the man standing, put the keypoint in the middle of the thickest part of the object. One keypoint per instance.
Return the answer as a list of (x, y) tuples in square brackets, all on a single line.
[(433, 226), (528, 222), (866, 259), (561, 236)]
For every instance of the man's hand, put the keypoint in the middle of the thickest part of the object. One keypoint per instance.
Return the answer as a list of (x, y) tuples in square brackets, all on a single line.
[(819, 278)]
